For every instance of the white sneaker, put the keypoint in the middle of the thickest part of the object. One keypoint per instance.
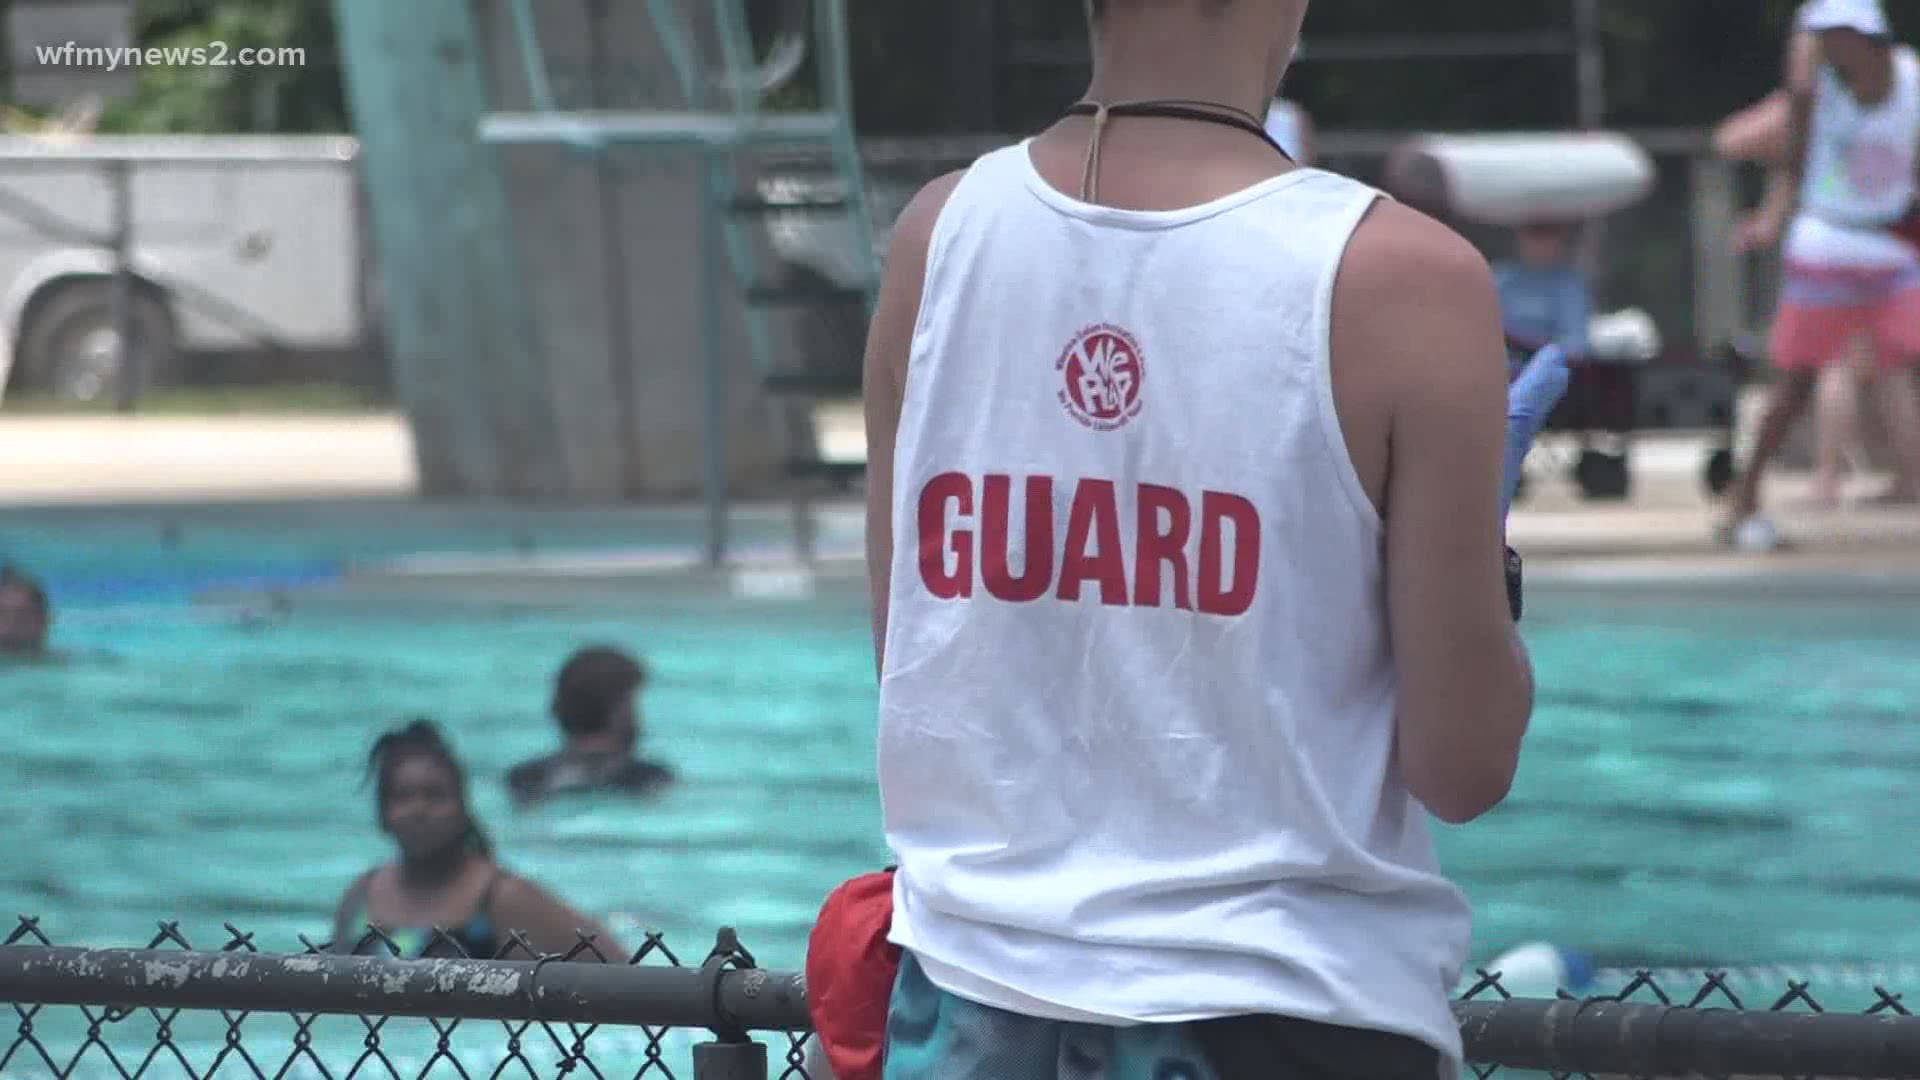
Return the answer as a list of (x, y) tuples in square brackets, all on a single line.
[(1756, 535)]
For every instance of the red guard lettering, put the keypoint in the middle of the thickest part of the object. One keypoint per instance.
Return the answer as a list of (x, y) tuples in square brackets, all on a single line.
[(1095, 516), (1220, 595), (1156, 546), (955, 544), (996, 533), (946, 584)]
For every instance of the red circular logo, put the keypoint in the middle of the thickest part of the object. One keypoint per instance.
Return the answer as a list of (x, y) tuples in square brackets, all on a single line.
[(1101, 371)]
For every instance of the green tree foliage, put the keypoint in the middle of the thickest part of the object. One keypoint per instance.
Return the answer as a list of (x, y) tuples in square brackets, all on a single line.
[(300, 96), (301, 93)]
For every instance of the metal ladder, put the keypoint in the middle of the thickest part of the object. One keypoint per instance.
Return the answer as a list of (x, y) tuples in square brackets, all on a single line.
[(725, 118)]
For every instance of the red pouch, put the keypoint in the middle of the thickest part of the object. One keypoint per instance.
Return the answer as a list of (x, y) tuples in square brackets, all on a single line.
[(851, 968)]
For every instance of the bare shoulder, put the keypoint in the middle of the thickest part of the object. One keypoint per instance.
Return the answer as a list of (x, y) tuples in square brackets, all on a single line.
[(913, 230), (511, 892), (1411, 289), (1401, 257), (901, 283), (361, 891)]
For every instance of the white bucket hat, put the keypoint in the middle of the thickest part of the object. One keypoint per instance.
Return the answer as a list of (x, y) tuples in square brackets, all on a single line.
[(1865, 16)]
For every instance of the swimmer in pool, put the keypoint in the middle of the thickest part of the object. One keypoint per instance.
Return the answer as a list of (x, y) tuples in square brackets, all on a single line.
[(446, 875), (26, 617), (595, 702)]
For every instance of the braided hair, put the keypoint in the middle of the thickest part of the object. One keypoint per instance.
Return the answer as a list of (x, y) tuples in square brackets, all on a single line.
[(421, 738)]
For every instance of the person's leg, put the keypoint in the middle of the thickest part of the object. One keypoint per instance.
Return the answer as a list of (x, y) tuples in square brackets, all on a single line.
[(1837, 424), (1899, 395), (1898, 391), (1805, 339), (1786, 400)]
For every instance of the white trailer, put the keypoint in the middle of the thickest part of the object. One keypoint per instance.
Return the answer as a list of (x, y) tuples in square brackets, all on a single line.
[(226, 243)]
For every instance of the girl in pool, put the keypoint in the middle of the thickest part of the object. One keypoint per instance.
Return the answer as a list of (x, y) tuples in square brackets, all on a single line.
[(446, 875)]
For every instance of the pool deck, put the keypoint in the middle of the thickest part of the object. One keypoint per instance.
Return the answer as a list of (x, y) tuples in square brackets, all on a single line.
[(1664, 529)]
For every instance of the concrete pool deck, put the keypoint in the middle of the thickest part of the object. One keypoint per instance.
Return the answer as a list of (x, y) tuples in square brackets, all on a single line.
[(1665, 528)]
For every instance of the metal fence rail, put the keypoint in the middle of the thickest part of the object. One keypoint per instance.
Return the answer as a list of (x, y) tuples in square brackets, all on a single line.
[(168, 1010)]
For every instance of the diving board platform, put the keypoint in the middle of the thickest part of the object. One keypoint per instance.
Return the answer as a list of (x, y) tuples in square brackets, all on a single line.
[(609, 129)]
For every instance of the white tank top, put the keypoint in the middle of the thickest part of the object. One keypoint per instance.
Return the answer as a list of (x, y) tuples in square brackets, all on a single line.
[(1861, 161), (1137, 710)]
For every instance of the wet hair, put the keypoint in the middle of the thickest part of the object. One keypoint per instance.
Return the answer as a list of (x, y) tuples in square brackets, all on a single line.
[(591, 686), (12, 577), (421, 738)]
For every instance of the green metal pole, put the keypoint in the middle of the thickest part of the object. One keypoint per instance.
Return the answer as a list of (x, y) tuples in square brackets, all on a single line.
[(526, 32), (459, 323), (712, 356)]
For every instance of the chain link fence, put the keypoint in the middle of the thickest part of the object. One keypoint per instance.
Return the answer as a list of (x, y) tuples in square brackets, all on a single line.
[(171, 1010)]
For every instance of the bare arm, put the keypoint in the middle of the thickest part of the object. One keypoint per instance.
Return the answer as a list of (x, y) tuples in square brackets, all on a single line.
[(1784, 184), (889, 342), (550, 925), (1756, 133), (1786, 178), (1415, 308)]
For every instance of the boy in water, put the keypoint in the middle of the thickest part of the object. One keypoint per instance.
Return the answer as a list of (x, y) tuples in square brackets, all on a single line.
[(596, 704)]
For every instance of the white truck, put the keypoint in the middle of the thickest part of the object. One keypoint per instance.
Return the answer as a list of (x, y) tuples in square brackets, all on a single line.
[(233, 243)]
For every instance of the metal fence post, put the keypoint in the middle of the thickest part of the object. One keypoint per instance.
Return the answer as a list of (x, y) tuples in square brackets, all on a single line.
[(733, 1054), (129, 357), (713, 358), (1719, 311), (730, 1061)]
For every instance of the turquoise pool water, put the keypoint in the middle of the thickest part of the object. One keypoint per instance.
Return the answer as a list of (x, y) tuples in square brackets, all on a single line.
[(1707, 782)]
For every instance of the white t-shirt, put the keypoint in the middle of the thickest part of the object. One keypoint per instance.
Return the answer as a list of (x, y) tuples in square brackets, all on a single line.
[(1860, 172)]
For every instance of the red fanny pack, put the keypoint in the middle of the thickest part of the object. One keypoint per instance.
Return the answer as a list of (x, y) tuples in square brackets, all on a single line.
[(851, 968)]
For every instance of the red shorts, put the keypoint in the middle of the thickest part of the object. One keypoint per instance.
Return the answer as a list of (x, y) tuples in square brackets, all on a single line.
[(1825, 310)]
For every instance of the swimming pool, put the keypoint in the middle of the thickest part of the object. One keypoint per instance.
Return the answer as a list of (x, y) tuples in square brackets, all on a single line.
[(1708, 781)]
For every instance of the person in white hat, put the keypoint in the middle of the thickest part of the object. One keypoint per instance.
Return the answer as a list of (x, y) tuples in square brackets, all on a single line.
[(1853, 169), (1758, 134)]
